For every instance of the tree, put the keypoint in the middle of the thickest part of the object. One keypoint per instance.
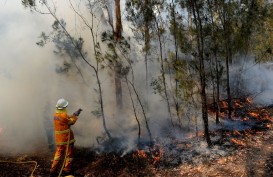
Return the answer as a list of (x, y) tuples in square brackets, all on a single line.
[(196, 7), (139, 13), (117, 36), (60, 28)]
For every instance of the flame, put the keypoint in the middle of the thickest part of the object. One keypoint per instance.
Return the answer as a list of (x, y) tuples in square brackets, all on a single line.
[(236, 132), (157, 153), (196, 134), (238, 142), (153, 155), (238, 104), (141, 154), (249, 100), (223, 104), (253, 114), (245, 119)]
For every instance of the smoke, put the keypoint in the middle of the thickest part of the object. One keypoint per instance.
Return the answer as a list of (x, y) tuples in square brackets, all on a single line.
[(253, 79), (30, 87)]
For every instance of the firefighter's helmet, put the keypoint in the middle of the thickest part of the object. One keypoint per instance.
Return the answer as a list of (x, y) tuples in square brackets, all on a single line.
[(61, 103)]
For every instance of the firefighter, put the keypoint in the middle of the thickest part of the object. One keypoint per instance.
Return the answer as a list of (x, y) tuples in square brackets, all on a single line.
[(64, 138)]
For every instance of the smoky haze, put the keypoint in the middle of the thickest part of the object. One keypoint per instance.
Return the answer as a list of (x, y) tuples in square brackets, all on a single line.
[(254, 80), (30, 86)]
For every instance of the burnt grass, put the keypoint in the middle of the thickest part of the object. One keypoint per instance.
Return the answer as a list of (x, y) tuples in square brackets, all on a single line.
[(177, 159), (88, 163)]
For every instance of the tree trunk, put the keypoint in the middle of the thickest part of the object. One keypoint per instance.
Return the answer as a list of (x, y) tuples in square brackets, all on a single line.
[(146, 39), (200, 46), (228, 56), (118, 35), (177, 106), (214, 18), (159, 35), (118, 22), (227, 42)]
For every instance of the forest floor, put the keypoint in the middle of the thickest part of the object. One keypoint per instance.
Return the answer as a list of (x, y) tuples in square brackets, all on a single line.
[(247, 153), (254, 159)]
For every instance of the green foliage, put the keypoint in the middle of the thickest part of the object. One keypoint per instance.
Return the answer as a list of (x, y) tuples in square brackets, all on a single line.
[(28, 3), (186, 80), (66, 45), (96, 113), (142, 16), (44, 39), (179, 30), (156, 84), (115, 51), (63, 69), (263, 42)]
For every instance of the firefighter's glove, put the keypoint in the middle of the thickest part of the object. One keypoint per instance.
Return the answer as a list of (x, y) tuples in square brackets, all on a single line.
[(77, 113)]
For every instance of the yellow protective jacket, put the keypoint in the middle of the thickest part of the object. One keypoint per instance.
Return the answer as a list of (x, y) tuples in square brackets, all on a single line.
[(62, 123)]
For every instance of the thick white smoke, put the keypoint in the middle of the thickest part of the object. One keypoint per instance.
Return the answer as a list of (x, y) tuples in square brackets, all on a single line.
[(254, 80), (30, 86)]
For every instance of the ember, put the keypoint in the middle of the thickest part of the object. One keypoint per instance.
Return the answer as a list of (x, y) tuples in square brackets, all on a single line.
[(141, 154), (154, 154), (238, 142), (254, 115), (157, 153)]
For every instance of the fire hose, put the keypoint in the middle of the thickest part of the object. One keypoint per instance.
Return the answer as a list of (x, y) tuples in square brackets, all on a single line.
[(66, 151), (36, 164), (68, 143)]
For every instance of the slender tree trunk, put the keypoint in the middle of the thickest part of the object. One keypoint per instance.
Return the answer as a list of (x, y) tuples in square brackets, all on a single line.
[(163, 72), (118, 22), (118, 35), (143, 111), (213, 7), (140, 102), (216, 15), (227, 42), (177, 106), (200, 45), (102, 108), (217, 89), (133, 104), (95, 68), (146, 47), (228, 54)]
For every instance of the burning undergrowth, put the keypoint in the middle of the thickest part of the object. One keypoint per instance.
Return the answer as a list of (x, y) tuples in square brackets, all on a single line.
[(167, 156), (151, 158)]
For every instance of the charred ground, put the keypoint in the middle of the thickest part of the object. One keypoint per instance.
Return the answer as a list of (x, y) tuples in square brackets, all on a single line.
[(246, 151)]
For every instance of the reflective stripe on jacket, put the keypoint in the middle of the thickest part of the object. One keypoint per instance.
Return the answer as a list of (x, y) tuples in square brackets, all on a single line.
[(62, 123)]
